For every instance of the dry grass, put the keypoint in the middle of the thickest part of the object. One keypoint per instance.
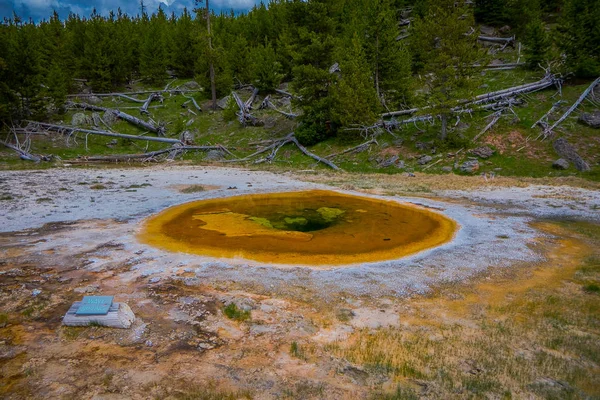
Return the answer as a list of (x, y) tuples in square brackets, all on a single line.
[(527, 335)]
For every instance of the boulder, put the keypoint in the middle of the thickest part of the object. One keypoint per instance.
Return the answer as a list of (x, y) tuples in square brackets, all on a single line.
[(190, 85), (80, 119), (483, 152), (222, 104), (400, 164), (566, 151), (487, 30), (110, 118), (447, 169), (214, 155), (187, 137), (470, 166), (93, 99), (424, 160), (561, 163), (389, 162), (591, 119)]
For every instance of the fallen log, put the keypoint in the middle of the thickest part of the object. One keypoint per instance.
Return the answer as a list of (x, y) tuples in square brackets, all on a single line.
[(495, 119), (314, 156), (159, 130), (278, 144), (548, 132), (23, 155), (266, 103), (176, 90), (544, 117), (492, 39), (283, 92), (356, 149), (496, 96), (193, 101), (151, 98), (152, 154), (74, 129), (248, 103), (243, 114)]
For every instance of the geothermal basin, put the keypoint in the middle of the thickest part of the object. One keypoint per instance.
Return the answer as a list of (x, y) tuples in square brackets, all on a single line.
[(314, 227)]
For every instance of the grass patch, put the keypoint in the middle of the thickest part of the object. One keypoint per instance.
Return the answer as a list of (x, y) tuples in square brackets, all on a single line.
[(541, 341), (297, 351), (98, 186), (233, 312), (44, 200), (193, 189), (197, 392), (3, 320), (5, 197)]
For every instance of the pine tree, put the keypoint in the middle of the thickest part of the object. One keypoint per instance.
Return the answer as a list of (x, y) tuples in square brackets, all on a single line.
[(266, 70), (183, 59), (580, 36), (355, 99), (153, 55), (537, 44), (447, 55)]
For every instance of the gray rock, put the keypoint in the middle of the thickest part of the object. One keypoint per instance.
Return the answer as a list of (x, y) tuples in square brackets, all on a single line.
[(191, 85), (110, 118), (487, 30), (591, 119), (561, 163), (93, 99), (447, 169), (187, 137), (80, 119), (389, 162), (424, 160), (470, 166), (566, 151), (504, 29), (400, 164), (35, 292), (214, 155), (222, 103), (483, 152)]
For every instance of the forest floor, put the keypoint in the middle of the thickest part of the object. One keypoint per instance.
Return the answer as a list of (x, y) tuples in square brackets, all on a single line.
[(510, 308)]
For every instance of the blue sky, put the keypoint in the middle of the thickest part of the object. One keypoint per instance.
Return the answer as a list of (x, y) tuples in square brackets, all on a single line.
[(38, 9)]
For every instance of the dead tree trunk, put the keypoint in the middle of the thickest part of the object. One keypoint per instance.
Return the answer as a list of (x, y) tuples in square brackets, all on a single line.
[(74, 129), (151, 98), (244, 116), (585, 94), (159, 130), (23, 155), (248, 103)]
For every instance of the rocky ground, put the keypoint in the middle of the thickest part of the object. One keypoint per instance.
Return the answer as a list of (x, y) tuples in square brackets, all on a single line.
[(70, 232)]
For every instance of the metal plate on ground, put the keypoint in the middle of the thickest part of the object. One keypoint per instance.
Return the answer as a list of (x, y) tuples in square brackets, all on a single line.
[(95, 305)]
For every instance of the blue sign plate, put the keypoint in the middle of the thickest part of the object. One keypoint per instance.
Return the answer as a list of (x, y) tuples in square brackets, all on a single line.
[(93, 309), (95, 305), (97, 300)]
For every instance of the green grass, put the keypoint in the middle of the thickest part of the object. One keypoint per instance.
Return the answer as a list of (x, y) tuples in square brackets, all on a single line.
[(211, 128), (233, 312), (3, 320)]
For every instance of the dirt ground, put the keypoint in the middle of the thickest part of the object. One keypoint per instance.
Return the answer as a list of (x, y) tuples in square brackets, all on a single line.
[(361, 331)]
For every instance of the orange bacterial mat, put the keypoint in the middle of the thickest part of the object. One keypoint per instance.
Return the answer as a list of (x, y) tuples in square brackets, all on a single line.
[(313, 227)]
